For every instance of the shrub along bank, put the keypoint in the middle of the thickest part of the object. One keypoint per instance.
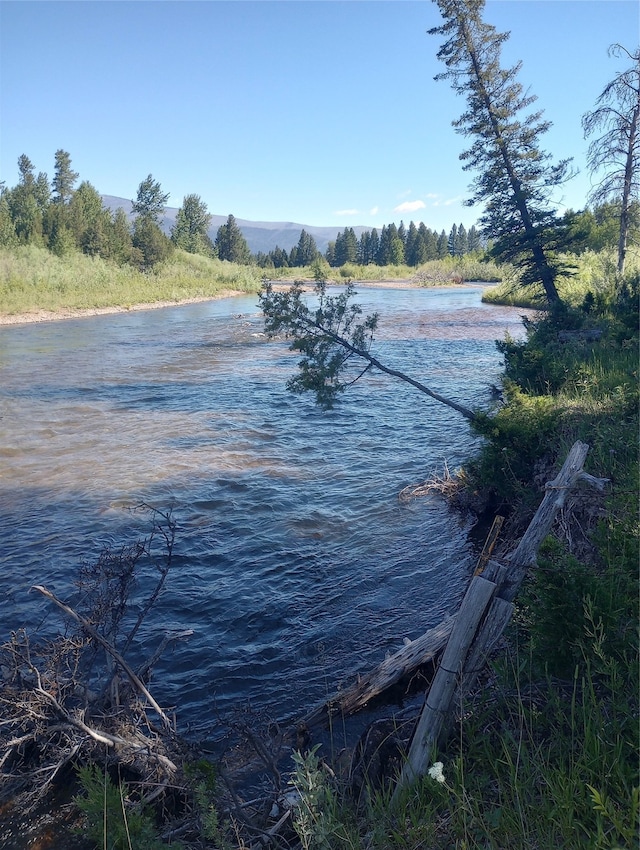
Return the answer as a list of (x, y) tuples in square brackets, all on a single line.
[(545, 754)]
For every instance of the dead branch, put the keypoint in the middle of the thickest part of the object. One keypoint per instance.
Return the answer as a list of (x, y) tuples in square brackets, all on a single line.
[(89, 629)]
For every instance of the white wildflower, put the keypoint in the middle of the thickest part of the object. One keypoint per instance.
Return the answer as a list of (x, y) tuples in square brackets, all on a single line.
[(435, 772)]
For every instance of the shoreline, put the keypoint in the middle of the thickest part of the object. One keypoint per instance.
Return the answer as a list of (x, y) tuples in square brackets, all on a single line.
[(40, 315)]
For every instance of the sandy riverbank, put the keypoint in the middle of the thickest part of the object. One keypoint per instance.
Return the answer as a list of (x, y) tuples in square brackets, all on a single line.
[(71, 313)]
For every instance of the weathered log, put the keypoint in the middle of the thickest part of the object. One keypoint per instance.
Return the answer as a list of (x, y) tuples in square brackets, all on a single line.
[(556, 493), (461, 660), (438, 703), (394, 668)]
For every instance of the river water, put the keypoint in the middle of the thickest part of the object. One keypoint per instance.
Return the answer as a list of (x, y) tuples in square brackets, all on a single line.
[(295, 563)]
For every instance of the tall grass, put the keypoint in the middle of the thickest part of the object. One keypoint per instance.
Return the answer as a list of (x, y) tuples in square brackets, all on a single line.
[(591, 271), (33, 278), (469, 268)]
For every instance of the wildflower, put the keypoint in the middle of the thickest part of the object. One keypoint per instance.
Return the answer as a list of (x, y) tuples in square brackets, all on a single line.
[(435, 772)]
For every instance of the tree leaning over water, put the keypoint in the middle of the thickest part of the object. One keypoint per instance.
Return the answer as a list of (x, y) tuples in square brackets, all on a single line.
[(515, 178), (616, 151)]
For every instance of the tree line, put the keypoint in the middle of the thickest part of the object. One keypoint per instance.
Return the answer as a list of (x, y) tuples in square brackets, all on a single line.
[(395, 245), (57, 215), (513, 182)]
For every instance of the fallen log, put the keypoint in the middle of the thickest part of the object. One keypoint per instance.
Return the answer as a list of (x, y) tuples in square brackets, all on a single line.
[(405, 661), (464, 655)]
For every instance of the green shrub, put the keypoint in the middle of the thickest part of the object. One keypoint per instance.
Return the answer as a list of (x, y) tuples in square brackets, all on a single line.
[(111, 821)]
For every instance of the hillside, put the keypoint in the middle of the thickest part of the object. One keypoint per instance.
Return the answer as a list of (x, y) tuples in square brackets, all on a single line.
[(260, 235)]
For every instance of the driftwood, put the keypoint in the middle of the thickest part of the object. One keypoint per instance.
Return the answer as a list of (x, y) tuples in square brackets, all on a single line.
[(483, 616), (394, 668)]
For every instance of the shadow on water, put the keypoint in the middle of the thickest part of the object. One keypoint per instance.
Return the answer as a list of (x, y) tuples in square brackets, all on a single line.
[(295, 564)]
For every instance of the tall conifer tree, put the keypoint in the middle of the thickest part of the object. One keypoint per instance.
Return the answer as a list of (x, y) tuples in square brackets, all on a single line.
[(514, 177)]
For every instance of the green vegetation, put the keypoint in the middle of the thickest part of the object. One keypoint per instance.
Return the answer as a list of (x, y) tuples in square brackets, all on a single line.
[(545, 753), (594, 272), (33, 278), (110, 820)]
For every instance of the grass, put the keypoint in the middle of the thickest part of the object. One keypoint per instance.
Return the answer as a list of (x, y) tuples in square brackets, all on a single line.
[(33, 278), (431, 273), (591, 271)]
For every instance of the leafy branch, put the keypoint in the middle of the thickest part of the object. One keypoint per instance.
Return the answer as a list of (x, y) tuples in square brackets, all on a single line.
[(329, 337)]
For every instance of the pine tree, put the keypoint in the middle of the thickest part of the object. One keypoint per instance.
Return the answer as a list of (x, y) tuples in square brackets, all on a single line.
[(64, 178), (24, 203), (473, 240), (514, 178), (461, 242), (430, 240), (151, 246), (306, 251), (451, 241), (230, 243), (442, 246)]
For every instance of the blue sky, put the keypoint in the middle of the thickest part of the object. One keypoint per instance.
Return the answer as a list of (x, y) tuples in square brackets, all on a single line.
[(321, 113)]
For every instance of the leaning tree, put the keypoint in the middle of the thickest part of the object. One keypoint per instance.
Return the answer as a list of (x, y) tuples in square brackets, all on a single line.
[(514, 177)]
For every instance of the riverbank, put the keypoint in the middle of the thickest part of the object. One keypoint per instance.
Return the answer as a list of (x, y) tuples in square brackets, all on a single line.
[(40, 315)]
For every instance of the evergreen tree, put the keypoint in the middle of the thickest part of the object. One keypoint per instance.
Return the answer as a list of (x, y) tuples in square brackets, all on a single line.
[(64, 178), (364, 248), (383, 253), (374, 246), (330, 253), (190, 230), (150, 245), (451, 241), (119, 243), (442, 246), (346, 250), (616, 151), (150, 200), (8, 236), (24, 203), (88, 220), (25, 167), (230, 243), (430, 240), (461, 242), (473, 240), (412, 246), (514, 177), (396, 251), (306, 251), (402, 234)]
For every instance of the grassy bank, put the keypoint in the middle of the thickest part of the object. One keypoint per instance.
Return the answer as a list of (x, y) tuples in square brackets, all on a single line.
[(33, 279), (435, 271), (591, 272), (545, 753)]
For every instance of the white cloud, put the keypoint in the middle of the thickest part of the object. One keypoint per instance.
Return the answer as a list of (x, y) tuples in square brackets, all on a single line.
[(346, 212), (410, 206), (374, 210)]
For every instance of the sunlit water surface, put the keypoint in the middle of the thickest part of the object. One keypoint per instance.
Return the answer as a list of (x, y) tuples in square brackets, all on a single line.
[(295, 564)]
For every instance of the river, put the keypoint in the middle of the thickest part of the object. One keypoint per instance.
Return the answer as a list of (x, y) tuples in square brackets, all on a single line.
[(295, 564)]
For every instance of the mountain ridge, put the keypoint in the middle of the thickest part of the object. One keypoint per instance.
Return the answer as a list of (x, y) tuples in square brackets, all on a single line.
[(262, 236)]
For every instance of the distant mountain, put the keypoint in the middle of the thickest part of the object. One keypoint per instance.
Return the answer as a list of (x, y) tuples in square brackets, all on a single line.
[(260, 235)]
